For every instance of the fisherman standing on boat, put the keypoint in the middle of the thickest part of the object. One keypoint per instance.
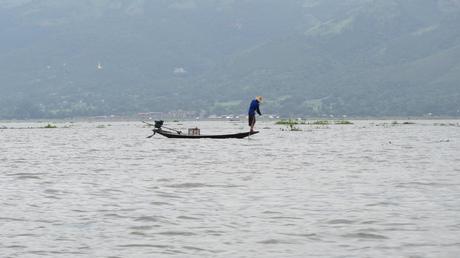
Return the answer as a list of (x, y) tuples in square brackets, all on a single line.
[(253, 108)]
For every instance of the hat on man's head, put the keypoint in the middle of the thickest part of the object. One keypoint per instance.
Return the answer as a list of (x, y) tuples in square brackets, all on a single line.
[(260, 98)]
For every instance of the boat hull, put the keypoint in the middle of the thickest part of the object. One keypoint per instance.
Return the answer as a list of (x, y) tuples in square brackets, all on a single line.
[(216, 136)]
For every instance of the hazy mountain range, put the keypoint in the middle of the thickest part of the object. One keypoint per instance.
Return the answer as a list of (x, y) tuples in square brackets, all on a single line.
[(61, 58)]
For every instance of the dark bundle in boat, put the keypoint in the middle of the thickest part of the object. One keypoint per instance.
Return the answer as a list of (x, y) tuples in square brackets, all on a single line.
[(193, 133)]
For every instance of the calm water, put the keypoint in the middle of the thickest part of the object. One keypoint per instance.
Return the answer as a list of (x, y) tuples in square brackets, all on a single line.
[(362, 190)]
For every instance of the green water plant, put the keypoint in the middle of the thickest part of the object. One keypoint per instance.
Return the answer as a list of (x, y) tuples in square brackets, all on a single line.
[(447, 124), (321, 122), (292, 127), (403, 123), (49, 126), (343, 122), (288, 122)]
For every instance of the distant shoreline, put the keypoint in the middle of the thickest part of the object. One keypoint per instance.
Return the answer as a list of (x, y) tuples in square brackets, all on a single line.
[(241, 119)]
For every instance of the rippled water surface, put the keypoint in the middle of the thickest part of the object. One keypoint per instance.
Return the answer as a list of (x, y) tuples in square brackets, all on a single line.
[(104, 190)]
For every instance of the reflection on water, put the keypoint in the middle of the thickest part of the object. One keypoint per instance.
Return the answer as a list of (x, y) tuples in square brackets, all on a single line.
[(357, 190)]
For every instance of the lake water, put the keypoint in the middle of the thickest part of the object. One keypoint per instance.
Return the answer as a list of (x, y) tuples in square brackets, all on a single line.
[(101, 189)]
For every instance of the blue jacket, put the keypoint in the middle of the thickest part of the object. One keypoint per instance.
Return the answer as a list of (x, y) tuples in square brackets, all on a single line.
[(254, 107)]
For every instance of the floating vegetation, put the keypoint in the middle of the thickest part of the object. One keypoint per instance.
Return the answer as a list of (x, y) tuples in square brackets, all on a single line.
[(394, 123), (294, 129), (321, 122), (403, 123), (317, 122), (291, 128), (343, 122), (176, 121), (49, 126), (447, 124), (289, 122), (292, 122), (100, 126)]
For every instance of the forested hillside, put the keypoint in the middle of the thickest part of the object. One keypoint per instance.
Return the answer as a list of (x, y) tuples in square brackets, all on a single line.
[(63, 58)]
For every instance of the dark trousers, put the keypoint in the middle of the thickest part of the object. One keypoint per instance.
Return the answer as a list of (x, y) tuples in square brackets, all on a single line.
[(252, 120)]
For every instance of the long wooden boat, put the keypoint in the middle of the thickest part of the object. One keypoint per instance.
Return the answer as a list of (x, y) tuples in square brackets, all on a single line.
[(212, 136), (194, 133)]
